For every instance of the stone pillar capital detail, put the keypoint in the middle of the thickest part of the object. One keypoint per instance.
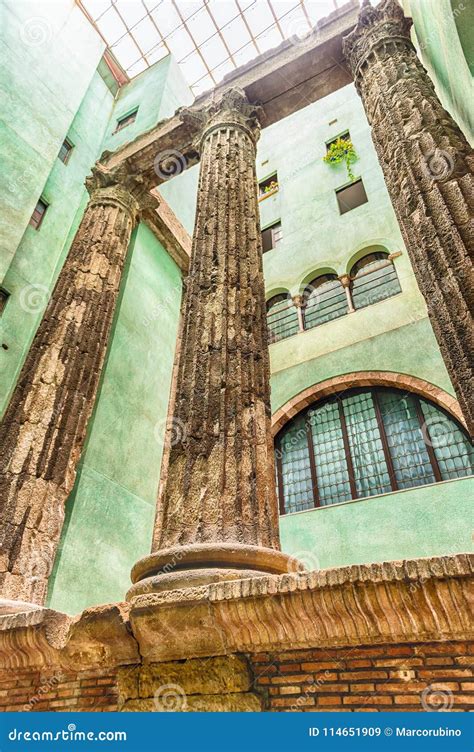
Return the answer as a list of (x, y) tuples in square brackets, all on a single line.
[(120, 187), (345, 280), (233, 110), (376, 27)]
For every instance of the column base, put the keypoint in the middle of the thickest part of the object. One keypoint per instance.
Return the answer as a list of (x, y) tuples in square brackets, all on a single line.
[(200, 564)]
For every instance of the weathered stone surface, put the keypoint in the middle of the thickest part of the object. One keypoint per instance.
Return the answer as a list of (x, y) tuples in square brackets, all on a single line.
[(400, 601), (213, 676), (428, 169), (244, 702), (218, 510), (45, 424)]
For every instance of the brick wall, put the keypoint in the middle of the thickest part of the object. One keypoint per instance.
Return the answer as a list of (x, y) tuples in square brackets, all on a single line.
[(88, 690), (422, 676), (428, 676)]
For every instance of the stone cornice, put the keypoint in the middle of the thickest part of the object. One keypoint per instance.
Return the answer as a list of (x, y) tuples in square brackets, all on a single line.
[(403, 601), (375, 26)]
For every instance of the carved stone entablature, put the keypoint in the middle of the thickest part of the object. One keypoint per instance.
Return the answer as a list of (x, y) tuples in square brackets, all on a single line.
[(378, 28), (233, 110)]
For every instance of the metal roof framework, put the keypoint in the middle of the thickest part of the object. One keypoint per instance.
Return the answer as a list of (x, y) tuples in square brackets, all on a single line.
[(208, 38)]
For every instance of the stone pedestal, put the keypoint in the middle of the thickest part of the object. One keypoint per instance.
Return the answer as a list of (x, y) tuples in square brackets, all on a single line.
[(427, 165), (217, 515), (45, 424)]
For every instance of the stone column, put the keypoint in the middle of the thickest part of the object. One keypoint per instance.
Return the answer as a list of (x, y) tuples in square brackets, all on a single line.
[(346, 282), (298, 302), (43, 430), (427, 165), (217, 516)]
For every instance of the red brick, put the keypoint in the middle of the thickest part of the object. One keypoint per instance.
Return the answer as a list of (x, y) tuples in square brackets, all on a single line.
[(354, 675), (329, 700), (321, 665), (367, 700)]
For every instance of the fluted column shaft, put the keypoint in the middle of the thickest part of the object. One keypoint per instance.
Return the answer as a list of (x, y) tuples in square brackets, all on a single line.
[(45, 423), (219, 497), (428, 169)]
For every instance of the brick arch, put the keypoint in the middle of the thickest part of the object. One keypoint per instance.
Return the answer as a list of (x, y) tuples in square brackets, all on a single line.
[(366, 378)]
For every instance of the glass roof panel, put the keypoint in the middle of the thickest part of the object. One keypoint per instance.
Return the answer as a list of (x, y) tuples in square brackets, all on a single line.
[(208, 38)]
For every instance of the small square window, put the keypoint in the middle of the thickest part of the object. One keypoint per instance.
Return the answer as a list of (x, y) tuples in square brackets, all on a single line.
[(65, 151), (4, 295), (38, 214), (346, 136), (271, 236), (126, 120), (351, 196), (269, 185)]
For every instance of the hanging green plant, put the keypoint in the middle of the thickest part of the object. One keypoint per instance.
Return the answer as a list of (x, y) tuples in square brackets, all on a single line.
[(342, 150)]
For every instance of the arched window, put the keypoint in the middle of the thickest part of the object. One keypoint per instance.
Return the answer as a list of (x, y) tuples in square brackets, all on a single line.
[(282, 317), (324, 299), (367, 442), (373, 278)]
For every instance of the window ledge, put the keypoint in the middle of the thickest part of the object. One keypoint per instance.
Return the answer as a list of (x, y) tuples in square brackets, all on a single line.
[(267, 194), (377, 496)]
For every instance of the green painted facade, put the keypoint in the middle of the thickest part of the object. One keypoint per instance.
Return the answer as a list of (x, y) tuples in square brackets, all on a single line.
[(444, 36), (109, 515)]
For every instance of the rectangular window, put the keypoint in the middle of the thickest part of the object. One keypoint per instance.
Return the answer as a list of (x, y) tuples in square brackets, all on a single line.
[(269, 185), (351, 196), (271, 236), (345, 136), (4, 295), (65, 151), (126, 120), (38, 214)]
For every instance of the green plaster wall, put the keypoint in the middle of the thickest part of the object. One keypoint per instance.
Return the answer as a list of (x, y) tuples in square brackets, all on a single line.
[(444, 36), (111, 510), (32, 271), (157, 92), (392, 335), (425, 521), (48, 56)]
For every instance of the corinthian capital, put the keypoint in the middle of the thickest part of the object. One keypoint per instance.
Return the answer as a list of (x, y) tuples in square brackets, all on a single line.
[(386, 22), (122, 186), (232, 110)]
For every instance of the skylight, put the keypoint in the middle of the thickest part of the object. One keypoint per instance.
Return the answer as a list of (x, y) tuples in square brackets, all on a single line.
[(208, 38)]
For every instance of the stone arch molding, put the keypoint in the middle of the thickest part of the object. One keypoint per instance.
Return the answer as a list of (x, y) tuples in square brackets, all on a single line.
[(365, 378)]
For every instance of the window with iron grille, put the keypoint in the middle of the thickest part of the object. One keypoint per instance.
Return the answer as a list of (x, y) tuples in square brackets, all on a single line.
[(367, 442), (351, 196), (282, 317), (38, 214), (271, 236), (374, 278), (324, 299), (128, 119), (65, 151)]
